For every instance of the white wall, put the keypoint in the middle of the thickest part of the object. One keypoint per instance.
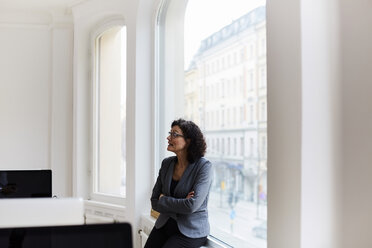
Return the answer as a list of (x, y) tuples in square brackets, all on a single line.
[(319, 125), (35, 94), (321, 106), (284, 123), (62, 107), (356, 44), (25, 91)]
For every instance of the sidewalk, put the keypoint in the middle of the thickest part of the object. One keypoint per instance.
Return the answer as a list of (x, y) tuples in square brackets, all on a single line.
[(234, 226)]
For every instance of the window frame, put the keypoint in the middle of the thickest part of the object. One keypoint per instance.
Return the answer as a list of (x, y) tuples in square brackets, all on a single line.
[(163, 85), (107, 24)]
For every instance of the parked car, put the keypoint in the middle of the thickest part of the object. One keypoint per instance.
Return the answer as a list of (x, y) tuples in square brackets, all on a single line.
[(260, 231)]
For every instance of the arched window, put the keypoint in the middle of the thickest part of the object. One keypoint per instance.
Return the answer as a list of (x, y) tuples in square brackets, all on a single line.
[(204, 42), (109, 113)]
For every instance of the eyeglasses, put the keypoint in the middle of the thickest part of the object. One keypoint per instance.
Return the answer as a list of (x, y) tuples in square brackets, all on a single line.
[(175, 135)]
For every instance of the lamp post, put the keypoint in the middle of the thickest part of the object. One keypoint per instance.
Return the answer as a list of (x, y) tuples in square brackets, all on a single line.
[(258, 192), (258, 180)]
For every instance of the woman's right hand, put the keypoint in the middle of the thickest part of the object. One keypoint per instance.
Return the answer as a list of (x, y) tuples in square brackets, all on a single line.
[(189, 195)]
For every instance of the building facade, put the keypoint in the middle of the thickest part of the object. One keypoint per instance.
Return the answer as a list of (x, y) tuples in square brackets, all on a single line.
[(225, 92)]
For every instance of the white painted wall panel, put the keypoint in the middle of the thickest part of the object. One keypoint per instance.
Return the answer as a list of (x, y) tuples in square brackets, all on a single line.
[(356, 35), (321, 147), (284, 123), (24, 97), (61, 114)]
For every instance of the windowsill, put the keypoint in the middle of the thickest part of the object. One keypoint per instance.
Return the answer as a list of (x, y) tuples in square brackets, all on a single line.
[(108, 199), (214, 243), (94, 203), (96, 211)]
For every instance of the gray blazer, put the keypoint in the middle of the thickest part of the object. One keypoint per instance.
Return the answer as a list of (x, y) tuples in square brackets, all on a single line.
[(191, 214)]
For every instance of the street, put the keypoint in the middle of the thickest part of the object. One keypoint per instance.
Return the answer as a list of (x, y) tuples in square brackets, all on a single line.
[(234, 226)]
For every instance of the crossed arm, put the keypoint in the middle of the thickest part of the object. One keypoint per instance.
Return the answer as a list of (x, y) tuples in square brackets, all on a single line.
[(189, 195), (192, 201)]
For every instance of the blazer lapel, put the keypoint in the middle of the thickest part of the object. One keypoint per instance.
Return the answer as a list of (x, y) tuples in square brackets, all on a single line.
[(185, 177), (168, 176)]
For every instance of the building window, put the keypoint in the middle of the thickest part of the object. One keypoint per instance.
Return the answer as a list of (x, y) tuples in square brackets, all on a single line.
[(109, 115), (251, 147), (241, 114), (228, 117), (223, 117), (235, 146), (262, 77), (251, 51), (223, 146), (228, 146), (262, 46), (263, 111), (251, 114), (235, 116), (241, 146), (264, 147), (250, 81)]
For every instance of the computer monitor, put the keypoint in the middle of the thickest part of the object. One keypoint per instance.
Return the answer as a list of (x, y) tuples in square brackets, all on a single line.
[(28, 212), (117, 235), (25, 183)]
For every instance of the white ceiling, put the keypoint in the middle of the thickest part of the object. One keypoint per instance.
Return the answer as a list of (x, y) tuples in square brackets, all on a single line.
[(24, 5)]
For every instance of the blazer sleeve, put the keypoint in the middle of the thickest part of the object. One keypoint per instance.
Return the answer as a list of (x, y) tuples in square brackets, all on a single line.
[(157, 190), (203, 181)]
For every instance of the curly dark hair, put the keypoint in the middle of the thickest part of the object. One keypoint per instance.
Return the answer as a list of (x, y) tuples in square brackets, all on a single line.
[(191, 131)]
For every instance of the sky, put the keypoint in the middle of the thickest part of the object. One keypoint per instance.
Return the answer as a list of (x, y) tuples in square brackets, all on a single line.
[(205, 17)]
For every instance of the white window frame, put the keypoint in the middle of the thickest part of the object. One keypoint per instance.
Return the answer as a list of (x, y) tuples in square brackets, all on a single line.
[(168, 56), (95, 34)]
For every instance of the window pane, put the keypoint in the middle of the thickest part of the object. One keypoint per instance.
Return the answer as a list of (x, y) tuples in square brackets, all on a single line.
[(110, 113), (225, 91)]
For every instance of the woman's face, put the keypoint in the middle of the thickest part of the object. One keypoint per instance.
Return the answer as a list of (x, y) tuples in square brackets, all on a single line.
[(176, 141)]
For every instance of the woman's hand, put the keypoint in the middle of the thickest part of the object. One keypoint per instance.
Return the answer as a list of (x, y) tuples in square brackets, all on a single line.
[(189, 195), (160, 196)]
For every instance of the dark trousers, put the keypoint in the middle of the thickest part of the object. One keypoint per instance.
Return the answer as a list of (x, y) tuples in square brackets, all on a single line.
[(169, 236)]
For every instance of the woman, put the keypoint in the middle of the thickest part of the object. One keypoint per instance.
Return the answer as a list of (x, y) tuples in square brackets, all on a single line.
[(181, 191)]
